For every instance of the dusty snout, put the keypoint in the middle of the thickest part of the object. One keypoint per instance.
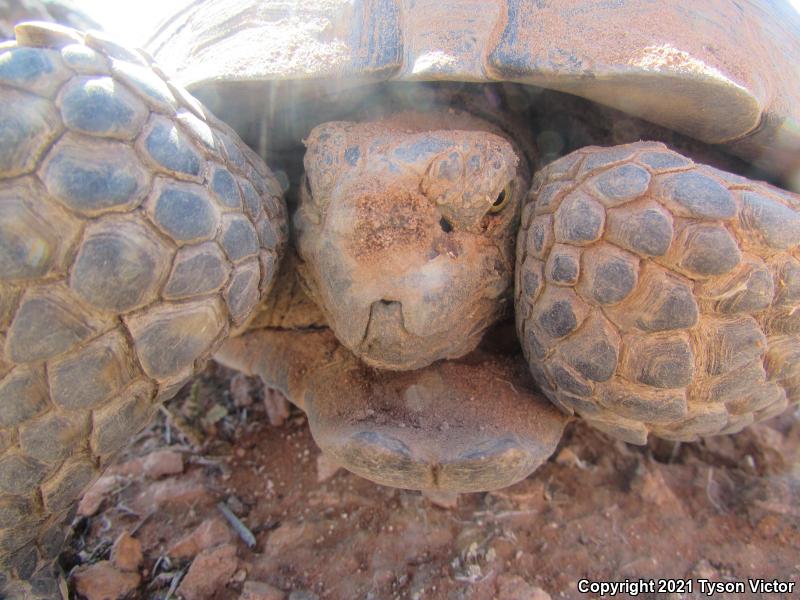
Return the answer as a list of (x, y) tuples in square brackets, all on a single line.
[(407, 237), (408, 289)]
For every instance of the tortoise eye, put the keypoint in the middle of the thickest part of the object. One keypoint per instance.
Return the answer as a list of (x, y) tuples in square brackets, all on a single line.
[(502, 200)]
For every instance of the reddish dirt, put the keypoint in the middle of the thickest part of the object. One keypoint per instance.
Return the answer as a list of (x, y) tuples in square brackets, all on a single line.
[(725, 509)]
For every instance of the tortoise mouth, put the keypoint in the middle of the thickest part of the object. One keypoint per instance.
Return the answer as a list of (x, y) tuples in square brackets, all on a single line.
[(387, 341), (386, 338)]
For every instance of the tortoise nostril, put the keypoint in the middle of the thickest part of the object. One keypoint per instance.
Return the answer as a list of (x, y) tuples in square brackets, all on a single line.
[(445, 225)]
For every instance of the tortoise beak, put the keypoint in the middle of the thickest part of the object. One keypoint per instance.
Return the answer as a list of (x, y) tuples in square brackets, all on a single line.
[(386, 338)]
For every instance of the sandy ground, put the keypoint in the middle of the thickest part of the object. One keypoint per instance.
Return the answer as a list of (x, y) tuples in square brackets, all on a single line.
[(724, 510)]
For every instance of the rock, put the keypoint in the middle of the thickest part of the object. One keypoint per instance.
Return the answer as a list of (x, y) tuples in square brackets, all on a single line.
[(704, 570), (163, 462), (208, 534), (93, 498), (256, 590), (288, 535), (237, 506), (101, 581), (303, 595), (130, 468), (326, 467), (210, 571), (155, 465), (528, 493), (239, 577), (768, 447), (126, 553), (241, 390), (446, 500), (656, 491), (179, 491), (514, 587), (769, 525)]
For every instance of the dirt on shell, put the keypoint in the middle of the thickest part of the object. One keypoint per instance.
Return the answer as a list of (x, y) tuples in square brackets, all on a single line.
[(268, 515)]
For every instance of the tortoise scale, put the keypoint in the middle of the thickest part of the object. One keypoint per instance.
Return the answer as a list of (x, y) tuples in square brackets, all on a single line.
[(140, 236)]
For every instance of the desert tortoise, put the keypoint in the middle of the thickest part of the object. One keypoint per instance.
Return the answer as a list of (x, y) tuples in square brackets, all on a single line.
[(652, 293)]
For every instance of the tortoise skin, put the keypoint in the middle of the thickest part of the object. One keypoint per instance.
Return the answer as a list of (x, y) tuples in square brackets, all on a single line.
[(656, 295), (136, 232)]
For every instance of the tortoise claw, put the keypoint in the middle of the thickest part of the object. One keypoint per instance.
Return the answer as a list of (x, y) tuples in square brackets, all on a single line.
[(491, 463), (452, 444), (464, 425), (458, 426)]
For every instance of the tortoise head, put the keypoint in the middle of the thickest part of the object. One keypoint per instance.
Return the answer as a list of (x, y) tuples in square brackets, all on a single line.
[(407, 236)]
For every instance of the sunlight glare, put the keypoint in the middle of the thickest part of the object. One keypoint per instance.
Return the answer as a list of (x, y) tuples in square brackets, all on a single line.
[(131, 23)]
